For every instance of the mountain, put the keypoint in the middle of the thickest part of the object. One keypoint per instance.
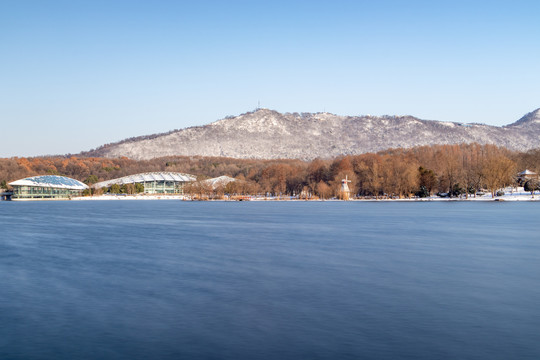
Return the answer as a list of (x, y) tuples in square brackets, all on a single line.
[(268, 134)]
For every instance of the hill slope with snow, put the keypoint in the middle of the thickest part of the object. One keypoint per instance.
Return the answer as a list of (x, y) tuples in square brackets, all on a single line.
[(268, 134)]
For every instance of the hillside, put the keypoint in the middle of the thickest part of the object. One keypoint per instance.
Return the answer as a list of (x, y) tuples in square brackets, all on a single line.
[(268, 134)]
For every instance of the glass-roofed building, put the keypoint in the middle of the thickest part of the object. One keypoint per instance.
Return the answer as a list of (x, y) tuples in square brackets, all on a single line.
[(153, 182), (46, 187)]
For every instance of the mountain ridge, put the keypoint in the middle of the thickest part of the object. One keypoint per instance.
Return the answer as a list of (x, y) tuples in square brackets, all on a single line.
[(268, 134), (532, 117)]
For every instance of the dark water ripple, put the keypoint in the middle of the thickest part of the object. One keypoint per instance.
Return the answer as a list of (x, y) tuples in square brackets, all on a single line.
[(289, 280)]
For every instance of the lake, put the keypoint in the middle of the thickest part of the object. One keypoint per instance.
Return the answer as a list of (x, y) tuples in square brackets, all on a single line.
[(269, 280)]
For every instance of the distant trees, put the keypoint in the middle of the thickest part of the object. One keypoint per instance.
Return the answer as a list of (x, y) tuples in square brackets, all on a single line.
[(273, 179), (323, 190), (114, 189), (317, 177), (139, 188), (427, 182), (532, 185), (457, 170), (497, 172), (401, 176), (370, 171), (91, 179), (472, 176)]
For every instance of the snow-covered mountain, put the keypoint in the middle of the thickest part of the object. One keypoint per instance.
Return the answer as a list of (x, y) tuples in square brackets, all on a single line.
[(268, 134)]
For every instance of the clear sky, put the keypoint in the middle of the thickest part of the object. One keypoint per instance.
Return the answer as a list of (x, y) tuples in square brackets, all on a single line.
[(75, 75)]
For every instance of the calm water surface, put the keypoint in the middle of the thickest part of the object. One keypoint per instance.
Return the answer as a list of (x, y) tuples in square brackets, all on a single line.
[(267, 280)]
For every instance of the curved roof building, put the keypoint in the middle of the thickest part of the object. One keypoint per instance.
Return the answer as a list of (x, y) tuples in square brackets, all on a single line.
[(153, 182), (46, 187), (219, 181)]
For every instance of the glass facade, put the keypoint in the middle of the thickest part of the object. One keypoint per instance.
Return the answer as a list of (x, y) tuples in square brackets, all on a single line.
[(152, 183), (52, 187), (163, 187), (42, 192)]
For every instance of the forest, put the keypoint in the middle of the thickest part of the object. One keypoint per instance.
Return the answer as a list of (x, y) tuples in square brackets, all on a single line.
[(447, 170)]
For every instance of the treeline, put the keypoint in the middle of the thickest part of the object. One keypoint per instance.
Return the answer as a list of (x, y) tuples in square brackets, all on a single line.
[(453, 170)]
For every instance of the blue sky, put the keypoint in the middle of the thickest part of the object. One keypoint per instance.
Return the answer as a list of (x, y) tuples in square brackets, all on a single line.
[(78, 74)]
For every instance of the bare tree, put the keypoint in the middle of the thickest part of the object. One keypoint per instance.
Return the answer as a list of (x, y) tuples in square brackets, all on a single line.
[(498, 172)]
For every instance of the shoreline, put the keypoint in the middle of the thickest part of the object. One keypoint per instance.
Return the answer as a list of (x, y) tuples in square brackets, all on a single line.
[(504, 198)]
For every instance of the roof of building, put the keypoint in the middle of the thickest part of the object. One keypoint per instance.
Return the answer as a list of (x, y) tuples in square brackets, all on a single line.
[(52, 181), (527, 172), (219, 181), (147, 177)]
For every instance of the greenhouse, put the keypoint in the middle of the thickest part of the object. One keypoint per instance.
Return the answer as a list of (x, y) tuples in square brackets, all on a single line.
[(153, 182), (46, 187)]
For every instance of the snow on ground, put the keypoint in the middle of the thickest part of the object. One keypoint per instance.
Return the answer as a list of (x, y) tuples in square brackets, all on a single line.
[(510, 194), (131, 197)]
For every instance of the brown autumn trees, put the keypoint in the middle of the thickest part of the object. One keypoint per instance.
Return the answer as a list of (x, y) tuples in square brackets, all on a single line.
[(498, 171), (451, 170)]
